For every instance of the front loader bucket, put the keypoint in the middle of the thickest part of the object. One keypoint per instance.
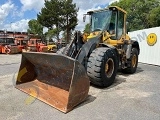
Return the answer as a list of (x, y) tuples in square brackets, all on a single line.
[(57, 80)]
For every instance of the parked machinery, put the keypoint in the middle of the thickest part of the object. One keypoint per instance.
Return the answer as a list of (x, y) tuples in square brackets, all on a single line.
[(52, 47), (62, 79), (34, 44), (8, 46)]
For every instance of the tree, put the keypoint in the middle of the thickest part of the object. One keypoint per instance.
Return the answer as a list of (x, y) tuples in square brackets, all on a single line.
[(140, 13), (69, 17), (87, 28), (51, 33), (35, 27), (60, 15), (49, 15), (154, 17)]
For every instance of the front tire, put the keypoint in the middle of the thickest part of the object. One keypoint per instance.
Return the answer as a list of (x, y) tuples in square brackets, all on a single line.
[(102, 66)]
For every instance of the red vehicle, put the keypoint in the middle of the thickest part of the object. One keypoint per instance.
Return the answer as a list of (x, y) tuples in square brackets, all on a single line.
[(8, 46), (21, 42), (35, 45)]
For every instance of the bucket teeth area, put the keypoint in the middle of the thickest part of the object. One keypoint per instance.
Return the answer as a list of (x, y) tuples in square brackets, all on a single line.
[(57, 80)]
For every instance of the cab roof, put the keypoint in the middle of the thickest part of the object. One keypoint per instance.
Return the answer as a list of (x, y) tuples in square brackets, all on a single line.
[(108, 8)]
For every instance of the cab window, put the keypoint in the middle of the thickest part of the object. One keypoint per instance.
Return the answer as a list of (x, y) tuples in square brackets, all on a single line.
[(120, 28), (112, 26)]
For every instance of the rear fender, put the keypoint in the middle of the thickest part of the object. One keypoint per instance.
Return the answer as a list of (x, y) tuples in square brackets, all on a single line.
[(135, 44)]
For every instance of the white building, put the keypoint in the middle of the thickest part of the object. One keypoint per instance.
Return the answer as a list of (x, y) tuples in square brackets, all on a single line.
[(149, 42)]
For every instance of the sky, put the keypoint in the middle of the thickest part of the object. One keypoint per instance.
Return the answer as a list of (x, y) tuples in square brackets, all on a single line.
[(15, 14)]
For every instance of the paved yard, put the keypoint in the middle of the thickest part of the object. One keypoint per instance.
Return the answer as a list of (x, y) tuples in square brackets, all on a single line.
[(131, 97)]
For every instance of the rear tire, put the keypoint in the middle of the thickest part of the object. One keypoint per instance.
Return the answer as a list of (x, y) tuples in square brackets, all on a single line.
[(133, 62), (102, 66)]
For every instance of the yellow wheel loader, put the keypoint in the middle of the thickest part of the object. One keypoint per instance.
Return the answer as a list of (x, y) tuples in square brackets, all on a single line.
[(62, 79)]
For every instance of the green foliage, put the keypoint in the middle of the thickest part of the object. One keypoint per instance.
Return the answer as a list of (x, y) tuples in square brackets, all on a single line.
[(51, 33), (154, 17), (59, 14), (141, 13), (69, 17), (35, 27), (87, 28)]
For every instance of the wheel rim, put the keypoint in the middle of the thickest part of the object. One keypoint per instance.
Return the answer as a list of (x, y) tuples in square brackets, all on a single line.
[(134, 60), (109, 67)]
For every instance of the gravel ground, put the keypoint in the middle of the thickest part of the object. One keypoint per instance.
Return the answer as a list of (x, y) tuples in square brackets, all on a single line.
[(131, 97)]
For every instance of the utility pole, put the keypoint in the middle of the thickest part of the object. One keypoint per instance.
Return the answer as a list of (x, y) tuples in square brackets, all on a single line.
[(11, 26), (5, 31)]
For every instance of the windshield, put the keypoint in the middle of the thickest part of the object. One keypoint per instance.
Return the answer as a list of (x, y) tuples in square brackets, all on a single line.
[(10, 40), (7, 40), (100, 20)]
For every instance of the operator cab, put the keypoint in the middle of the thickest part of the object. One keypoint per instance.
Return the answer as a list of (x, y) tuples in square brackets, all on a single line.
[(111, 20)]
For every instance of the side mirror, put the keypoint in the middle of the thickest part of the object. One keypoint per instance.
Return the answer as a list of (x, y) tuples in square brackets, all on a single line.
[(84, 18)]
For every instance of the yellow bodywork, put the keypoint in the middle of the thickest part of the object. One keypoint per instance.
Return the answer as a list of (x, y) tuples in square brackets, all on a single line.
[(50, 47), (106, 37)]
